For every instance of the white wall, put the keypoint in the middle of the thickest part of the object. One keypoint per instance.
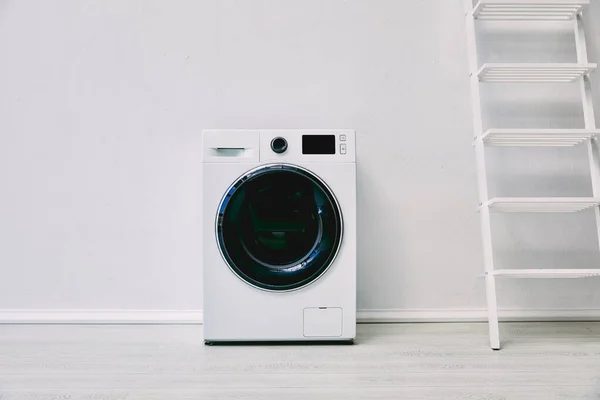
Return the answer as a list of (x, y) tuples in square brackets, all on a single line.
[(102, 104)]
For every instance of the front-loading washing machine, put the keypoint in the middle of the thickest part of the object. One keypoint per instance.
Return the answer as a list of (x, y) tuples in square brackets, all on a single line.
[(279, 235)]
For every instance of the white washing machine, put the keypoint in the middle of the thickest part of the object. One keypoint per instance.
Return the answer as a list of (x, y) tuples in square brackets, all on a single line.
[(279, 236)]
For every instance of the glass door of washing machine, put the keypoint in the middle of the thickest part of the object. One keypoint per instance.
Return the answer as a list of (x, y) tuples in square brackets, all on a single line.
[(279, 227)]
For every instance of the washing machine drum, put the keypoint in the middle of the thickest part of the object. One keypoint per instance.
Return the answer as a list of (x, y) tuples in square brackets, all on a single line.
[(279, 227)]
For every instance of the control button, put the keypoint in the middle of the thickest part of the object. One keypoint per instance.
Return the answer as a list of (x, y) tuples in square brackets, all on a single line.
[(343, 148), (279, 145), (342, 138)]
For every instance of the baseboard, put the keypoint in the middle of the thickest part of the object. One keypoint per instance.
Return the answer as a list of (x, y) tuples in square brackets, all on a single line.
[(363, 316), (399, 316), (474, 315), (100, 316)]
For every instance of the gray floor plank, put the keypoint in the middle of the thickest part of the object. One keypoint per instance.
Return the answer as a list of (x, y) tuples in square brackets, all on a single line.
[(403, 361)]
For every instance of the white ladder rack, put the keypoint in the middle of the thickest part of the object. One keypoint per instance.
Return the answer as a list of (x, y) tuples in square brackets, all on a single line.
[(498, 73)]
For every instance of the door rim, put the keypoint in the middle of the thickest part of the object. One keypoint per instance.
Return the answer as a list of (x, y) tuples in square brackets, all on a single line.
[(313, 175)]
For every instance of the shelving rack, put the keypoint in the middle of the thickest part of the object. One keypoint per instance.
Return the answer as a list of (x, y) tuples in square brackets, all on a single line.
[(530, 10)]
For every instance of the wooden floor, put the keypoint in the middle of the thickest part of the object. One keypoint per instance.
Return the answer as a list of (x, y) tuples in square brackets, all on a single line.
[(404, 361)]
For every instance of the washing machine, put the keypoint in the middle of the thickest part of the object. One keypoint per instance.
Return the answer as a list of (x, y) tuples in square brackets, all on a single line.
[(279, 235)]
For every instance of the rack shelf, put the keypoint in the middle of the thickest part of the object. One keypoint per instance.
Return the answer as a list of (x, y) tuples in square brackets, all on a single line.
[(541, 204), (528, 10), (546, 273), (538, 137), (577, 71), (534, 72)]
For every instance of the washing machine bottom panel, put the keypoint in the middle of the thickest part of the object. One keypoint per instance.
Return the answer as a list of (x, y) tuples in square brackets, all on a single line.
[(324, 310), (298, 324)]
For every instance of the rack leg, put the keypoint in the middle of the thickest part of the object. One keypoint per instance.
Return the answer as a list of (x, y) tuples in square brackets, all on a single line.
[(488, 254), (492, 306)]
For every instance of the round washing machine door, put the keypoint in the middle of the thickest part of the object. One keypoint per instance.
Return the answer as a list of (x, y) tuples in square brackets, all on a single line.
[(279, 227)]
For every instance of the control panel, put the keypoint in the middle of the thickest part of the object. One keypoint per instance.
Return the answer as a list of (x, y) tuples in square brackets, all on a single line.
[(279, 145), (291, 145)]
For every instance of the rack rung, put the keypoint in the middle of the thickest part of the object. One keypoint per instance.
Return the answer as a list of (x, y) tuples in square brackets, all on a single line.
[(541, 204), (536, 10), (538, 137), (546, 273), (538, 72)]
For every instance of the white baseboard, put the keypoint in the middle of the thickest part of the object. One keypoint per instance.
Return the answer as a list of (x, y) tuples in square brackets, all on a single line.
[(364, 316), (100, 316), (474, 315)]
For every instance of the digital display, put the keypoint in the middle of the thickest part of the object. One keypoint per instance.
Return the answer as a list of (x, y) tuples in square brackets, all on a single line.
[(318, 144)]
